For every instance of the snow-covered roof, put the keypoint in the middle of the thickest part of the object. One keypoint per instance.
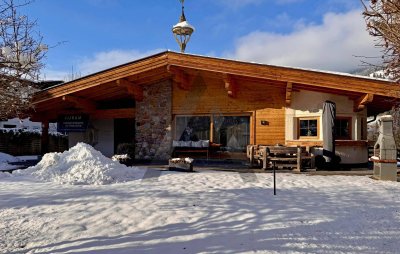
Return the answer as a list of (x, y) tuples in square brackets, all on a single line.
[(183, 25)]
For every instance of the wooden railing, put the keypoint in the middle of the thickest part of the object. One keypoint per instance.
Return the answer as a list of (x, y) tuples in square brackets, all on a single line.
[(282, 156)]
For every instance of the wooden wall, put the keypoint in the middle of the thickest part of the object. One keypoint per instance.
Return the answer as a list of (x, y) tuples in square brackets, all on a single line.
[(207, 95)]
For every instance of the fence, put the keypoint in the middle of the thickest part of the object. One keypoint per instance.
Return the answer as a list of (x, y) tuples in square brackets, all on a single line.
[(29, 143)]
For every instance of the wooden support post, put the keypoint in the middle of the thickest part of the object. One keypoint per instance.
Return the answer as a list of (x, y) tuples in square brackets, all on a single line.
[(298, 168), (45, 137), (251, 153), (265, 158)]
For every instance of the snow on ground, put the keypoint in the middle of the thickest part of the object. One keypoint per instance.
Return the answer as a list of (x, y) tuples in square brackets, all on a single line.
[(201, 212), (4, 161), (81, 164), (82, 202)]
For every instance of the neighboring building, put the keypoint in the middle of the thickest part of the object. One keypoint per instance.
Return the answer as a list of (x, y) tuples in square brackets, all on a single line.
[(17, 123), (25, 124), (173, 96)]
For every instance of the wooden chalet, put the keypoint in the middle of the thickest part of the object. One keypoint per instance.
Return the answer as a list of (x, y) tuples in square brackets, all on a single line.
[(172, 99)]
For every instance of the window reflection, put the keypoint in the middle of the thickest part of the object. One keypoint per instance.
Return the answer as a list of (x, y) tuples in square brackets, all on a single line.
[(308, 127), (232, 132), (192, 128)]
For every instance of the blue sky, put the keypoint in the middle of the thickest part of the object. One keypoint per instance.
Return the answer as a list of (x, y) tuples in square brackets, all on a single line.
[(97, 34)]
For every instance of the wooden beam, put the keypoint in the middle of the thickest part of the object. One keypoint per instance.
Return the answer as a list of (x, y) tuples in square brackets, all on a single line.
[(135, 90), (181, 78), (114, 113), (289, 88), (80, 103), (230, 85), (362, 101)]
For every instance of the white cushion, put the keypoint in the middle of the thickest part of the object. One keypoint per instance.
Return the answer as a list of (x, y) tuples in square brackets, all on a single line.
[(197, 144), (186, 143), (205, 143), (176, 143)]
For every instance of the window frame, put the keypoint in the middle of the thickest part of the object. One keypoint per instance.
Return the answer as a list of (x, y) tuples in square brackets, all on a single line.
[(349, 119), (308, 137), (249, 115)]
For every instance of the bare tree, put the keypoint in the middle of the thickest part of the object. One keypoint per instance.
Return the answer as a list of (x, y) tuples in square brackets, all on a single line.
[(383, 22), (21, 58)]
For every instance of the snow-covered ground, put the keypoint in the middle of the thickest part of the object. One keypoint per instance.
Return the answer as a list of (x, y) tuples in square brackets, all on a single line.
[(6, 159), (202, 212)]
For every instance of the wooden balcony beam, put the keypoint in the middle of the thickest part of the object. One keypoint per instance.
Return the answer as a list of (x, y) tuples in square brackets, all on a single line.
[(289, 90), (181, 78), (230, 85), (131, 88), (80, 103), (362, 101)]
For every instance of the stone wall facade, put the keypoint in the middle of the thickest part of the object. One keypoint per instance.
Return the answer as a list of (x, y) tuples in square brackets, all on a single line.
[(153, 122)]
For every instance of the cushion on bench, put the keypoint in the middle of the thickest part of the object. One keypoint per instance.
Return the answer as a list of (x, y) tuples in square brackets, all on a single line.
[(194, 144)]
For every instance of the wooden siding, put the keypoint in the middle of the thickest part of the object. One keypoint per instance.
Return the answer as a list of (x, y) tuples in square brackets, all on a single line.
[(207, 95)]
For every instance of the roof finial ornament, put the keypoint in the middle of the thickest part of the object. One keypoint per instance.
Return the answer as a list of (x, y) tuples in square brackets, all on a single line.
[(183, 30), (183, 18)]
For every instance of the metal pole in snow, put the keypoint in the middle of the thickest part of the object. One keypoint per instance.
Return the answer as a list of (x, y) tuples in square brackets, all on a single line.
[(274, 180)]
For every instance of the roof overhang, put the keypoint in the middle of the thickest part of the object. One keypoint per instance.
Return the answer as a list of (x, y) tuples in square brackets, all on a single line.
[(378, 95)]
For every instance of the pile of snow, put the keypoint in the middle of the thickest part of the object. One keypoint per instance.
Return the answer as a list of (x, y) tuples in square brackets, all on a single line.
[(120, 157), (81, 164), (5, 159)]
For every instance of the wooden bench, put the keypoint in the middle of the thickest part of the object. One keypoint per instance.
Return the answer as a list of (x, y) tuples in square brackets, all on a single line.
[(186, 151), (190, 150), (278, 156)]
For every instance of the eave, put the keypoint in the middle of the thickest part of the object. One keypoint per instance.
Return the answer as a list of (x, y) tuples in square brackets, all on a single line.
[(179, 67)]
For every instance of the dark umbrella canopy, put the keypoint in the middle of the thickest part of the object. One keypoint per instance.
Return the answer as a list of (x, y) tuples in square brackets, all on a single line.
[(328, 129)]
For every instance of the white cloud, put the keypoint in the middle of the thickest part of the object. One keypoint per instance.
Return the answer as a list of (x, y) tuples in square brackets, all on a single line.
[(235, 4), (104, 60), (98, 62), (331, 45)]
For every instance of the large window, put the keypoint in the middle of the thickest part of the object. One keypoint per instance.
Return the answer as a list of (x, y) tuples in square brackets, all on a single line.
[(232, 132), (342, 128), (308, 128), (192, 128)]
